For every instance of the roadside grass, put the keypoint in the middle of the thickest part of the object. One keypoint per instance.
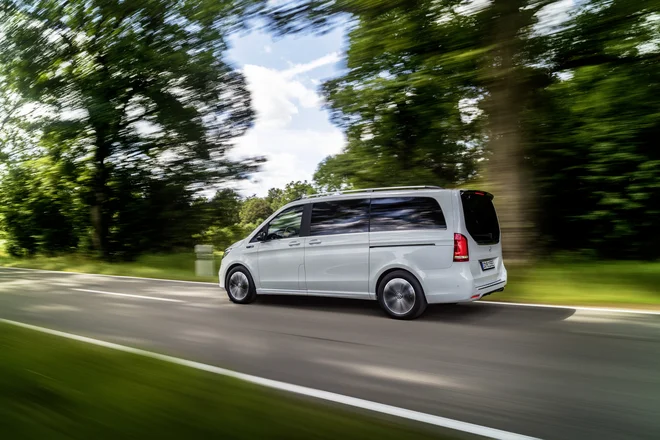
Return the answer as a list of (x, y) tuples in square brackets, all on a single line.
[(598, 283), (604, 283), (53, 388), (177, 266)]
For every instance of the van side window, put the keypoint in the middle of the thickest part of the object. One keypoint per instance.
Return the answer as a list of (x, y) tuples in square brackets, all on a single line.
[(286, 224), (340, 217), (405, 213)]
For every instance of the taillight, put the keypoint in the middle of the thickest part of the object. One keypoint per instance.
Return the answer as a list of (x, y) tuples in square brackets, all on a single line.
[(461, 248)]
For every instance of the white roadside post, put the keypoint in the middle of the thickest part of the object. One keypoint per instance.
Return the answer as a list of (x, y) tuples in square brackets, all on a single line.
[(204, 264)]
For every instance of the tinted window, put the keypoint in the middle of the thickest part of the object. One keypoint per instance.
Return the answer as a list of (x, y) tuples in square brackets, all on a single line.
[(340, 217), (480, 217), (286, 224), (401, 213)]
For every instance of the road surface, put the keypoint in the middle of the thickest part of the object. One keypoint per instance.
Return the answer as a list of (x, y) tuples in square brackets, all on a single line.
[(550, 373)]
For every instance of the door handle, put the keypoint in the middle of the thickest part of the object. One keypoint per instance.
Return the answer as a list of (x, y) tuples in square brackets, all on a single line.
[(315, 242), (294, 243)]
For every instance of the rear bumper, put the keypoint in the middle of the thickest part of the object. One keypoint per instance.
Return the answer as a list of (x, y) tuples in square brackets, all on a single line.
[(467, 289)]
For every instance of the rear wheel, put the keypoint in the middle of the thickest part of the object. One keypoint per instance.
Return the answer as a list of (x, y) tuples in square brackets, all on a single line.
[(401, 296), (240, 286)]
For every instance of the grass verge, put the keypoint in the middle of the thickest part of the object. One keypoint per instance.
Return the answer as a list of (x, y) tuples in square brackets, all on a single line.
[(179, 266), (607, 283), (52, 388), (604, 283)]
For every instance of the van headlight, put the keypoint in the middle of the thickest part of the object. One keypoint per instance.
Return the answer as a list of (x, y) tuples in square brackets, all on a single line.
[(226, 252)]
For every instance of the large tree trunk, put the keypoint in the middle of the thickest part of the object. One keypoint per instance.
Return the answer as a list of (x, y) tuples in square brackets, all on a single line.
[(98, 209), (506, 169)]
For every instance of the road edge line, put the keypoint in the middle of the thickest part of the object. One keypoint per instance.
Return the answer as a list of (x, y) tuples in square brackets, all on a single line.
[(129, 295), (208, 283), (584, 308), (355, 402)]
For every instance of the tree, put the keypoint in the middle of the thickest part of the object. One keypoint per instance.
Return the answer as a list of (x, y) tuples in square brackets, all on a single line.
[(133, 88), (292, 191), (41, 207), (399, 104), (255, 210), (224, 208), (597, 164)]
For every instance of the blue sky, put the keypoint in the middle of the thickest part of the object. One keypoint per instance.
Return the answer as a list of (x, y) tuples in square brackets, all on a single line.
[(291, 129)]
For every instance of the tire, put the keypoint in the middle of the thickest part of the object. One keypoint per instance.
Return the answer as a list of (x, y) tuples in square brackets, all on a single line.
[(240, 286), (401, 296)]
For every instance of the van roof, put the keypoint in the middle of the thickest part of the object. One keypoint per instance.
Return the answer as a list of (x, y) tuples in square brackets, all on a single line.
[(371, 191)]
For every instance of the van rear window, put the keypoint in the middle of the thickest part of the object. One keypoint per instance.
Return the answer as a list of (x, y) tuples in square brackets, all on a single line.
[(480, 217)]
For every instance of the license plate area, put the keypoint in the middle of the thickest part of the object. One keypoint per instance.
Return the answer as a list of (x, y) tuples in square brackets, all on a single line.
[(487, 264)]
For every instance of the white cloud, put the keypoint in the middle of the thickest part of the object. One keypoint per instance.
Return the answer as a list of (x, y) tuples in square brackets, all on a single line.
[(297, 69), (268, 48), (293, 153), (275, 97)]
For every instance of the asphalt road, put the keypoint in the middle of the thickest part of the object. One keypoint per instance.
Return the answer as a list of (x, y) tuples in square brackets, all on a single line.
[(544, 372)]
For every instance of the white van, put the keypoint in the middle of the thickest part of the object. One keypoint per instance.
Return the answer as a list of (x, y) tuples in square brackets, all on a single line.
[(405, 247)]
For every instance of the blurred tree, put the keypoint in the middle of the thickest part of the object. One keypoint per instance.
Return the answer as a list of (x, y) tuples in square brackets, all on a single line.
[(596, 158), (41, 207), (134, 88), (255, 210), (400, 104), (223, 209), (292, 191)]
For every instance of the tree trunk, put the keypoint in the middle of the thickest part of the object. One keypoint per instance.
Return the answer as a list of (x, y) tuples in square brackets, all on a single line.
[(98, 208), (506, 169)]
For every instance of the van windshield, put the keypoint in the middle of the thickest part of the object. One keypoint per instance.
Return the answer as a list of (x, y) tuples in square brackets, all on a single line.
[(480, 217)]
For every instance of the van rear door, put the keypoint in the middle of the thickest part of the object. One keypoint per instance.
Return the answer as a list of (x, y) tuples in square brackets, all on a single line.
[(483, 234)]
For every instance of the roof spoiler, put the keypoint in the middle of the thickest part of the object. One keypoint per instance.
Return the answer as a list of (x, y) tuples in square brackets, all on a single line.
[(478, 193)]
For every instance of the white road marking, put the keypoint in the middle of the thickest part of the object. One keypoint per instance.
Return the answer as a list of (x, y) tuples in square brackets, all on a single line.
[(110, 276), (592, 309), (397, 374), (129, 295), (51, 308), (296, 389)]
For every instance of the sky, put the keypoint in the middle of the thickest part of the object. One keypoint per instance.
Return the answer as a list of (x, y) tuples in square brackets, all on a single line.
[(292, 129)]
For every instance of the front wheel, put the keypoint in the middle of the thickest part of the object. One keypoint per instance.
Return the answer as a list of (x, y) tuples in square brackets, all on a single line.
[(240, 286), (401, 296)]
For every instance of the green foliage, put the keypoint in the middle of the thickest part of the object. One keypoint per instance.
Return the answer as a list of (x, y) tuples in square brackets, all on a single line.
[(40, 207), (278, 197), (255, 210), (222, 238), (399, 102), (598, 165), (135, 90)]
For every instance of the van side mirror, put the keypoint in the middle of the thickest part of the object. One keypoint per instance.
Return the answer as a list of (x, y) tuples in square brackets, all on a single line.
[(261, 236)]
